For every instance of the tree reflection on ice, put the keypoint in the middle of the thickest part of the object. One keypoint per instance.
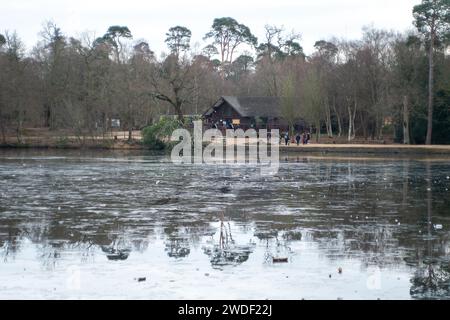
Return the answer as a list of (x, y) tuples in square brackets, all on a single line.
[(431, 281), (118, 250), (227, 252), (432, 277), (178, 248), (278, 251)]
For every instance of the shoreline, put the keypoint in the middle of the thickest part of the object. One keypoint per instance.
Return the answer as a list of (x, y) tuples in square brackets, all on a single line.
[(73, 146), (373, 149), (368, 149)]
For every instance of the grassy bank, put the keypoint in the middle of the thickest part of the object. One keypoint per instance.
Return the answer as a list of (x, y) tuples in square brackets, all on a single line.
[(74, 145)]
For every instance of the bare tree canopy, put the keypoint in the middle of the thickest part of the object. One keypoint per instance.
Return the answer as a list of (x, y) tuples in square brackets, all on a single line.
[(382, 86)]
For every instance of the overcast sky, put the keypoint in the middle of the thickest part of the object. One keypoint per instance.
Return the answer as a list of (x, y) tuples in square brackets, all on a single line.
[(150, 20)]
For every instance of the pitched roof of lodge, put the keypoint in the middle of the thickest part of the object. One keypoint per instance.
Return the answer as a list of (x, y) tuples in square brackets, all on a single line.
[(251, 107)]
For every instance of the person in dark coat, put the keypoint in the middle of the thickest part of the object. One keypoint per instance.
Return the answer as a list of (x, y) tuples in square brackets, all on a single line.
[(286, 138), (298, 138)]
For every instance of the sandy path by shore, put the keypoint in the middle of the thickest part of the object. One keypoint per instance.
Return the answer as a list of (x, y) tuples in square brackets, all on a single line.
[(369, 148)]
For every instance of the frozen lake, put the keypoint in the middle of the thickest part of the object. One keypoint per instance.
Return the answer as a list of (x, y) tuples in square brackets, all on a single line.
[(109, 225)]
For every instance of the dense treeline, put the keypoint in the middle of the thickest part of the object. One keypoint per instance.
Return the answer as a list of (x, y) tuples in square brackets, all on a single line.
[(382, 84)]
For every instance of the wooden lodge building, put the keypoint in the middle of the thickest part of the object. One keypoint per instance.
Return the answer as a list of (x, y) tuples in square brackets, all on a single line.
[(248, 112)]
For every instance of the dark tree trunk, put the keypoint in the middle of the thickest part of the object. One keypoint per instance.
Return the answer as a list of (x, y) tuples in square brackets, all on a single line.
[(338, 117), (179, 113), (317, 131), (3, 130), (430, 88), (130, 133), (406, 139), (47, 116)]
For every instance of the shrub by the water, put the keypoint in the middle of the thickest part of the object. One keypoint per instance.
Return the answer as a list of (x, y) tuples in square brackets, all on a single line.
[(157, 136)]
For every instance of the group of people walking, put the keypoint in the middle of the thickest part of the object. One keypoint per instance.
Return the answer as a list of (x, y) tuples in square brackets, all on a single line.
[(303, 138)]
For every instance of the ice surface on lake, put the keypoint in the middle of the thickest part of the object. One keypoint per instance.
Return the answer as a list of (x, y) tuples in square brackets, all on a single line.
[(88, 224)]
